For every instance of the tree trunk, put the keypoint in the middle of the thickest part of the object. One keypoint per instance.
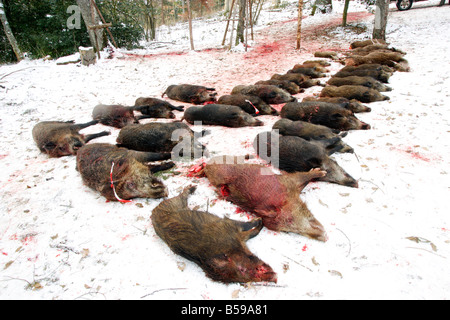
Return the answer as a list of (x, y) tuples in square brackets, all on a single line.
[(91, 18), (381, 16), (344, 17), (299, 25), (241, 23), (9, 34), (191, 37)]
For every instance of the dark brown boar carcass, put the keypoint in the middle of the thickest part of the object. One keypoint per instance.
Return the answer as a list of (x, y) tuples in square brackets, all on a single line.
[(268, 93), (353, 105), (156, 108), (216, 245), (121, 174), (332, 115), (191, 93), (274, 198), (248, 103), (116, 116), (174, 137), (360, 93), (221, 115), (368, 82), (330, 140), (294, 154), (289, 86), (58, 139)]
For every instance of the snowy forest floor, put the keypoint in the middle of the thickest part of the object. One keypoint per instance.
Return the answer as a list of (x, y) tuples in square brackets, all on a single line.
[(388, 239)]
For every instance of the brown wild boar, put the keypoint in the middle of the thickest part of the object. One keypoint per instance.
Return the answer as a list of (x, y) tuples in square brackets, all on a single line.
[(368, 82), (330, 140), (216, 245), (353, 105), (298, 155), (174, 137), (268, 93), (221, 115), (360, 93), (191, 93), (120, 174), (116, 116), (332, 115), (274, 198), (289, 86), (248, 103), (58, 139)]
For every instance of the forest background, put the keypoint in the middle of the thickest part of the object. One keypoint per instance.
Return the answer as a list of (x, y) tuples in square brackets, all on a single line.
[(41, 27)]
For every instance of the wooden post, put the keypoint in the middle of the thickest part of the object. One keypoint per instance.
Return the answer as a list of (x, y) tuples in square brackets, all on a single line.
[(12, 40), (107, 25), (190, 24), (228, 23), (299, 26), (344, 17)]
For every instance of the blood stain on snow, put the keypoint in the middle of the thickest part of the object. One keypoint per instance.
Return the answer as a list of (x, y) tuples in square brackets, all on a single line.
[(416, 155)]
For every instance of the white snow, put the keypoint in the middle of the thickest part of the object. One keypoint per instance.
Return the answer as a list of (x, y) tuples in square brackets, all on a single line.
[(62, 240)]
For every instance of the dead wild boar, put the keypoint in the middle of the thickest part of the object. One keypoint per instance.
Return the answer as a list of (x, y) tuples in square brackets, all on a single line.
[(323, 63), (378, 74), (216, 245), (389, 59), (248, 103), (374, 47), (298, 155), (330, 140), (162, 137), (311, 72), (268, 93), (360, 81), (116, 116), (191, 93), (360, 93), (156, 108), (121, 174), (289, 86), (353, 105), (317, 65), (221, 115), (275, 198), (58, 139), (370, 66), (363, 43), (324, 113), (299, 79)]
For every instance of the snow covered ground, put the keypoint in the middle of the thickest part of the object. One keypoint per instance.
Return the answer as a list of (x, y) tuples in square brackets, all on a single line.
[(388, 239)]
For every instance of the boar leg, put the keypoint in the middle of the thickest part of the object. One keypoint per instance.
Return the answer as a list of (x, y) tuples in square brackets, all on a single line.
[(80, 126), (303, 178), (143, 157), (161, 167), (90, 137)]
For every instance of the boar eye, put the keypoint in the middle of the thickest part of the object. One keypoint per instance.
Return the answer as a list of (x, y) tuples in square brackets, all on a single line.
[(156, 184)]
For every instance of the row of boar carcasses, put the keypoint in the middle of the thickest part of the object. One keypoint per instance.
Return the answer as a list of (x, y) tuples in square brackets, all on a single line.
[(307, 133)]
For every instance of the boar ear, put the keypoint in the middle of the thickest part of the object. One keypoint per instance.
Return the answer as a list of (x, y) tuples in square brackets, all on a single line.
[(314, 162), (336, 116), (250, 229)]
